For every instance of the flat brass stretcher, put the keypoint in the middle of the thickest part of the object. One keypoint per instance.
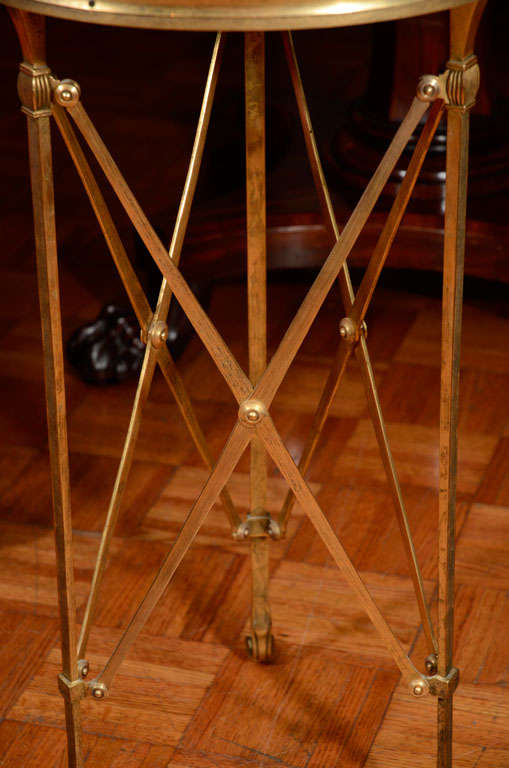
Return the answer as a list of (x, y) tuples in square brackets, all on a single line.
[(46, 98)]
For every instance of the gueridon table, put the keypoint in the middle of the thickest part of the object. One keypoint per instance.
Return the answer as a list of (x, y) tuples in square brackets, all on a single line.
[(44, 96)]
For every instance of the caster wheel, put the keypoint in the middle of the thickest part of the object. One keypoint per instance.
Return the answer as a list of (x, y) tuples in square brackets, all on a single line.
[(260, 649)]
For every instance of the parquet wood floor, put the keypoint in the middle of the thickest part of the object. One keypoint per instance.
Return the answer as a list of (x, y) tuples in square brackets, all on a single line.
[(187, 696)]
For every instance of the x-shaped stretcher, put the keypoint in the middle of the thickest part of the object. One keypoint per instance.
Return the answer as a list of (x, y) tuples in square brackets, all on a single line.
[(254, 422)]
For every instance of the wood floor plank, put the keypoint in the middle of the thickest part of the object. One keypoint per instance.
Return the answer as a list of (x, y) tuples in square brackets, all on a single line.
[(35, 635), (157, 692), (415, 451), (33, 745), (314, 606), (483, 338), (481, 722), (484, 547), (296, 717), (494, 488)]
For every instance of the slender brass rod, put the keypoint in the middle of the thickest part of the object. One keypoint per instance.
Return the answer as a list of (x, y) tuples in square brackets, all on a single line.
[(290, 472), (237, 443), (454, 246), (39, 143), (142, 392), (256, 238), (256, 219), (322, 190), (193, 171), (361, 351), (222, 356), (316, 295), (393, 481)]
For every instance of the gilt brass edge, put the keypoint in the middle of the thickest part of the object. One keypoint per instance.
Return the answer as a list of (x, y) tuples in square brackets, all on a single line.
[(259, 19)]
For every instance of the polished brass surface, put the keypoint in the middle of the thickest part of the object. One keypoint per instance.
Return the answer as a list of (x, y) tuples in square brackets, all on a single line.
[(455, 90), (242, 15)]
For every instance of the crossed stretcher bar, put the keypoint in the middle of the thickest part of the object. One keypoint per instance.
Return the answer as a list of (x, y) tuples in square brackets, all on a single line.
[(252, 399)]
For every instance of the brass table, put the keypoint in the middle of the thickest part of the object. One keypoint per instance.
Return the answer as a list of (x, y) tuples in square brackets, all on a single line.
[(44, 96)]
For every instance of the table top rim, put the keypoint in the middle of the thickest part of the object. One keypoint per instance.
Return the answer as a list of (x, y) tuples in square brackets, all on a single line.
[(247, 15)]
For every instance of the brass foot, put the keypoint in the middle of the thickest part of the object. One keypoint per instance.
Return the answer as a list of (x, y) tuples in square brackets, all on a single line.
[(260, 647)]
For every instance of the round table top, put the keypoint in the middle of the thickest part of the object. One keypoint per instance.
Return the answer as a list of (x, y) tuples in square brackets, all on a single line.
[(233, 15)]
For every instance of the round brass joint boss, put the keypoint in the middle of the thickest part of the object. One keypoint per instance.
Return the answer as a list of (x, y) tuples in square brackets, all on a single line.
[(251, 412), (419, 687), (67, 93), (158, 334), (347, 329), (428, 88), (83, 668), (99, 690), (431, 664)]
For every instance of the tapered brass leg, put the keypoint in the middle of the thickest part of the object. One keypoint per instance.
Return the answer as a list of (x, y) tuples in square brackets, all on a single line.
[(462, 84), (34, 87), (260, 642)]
